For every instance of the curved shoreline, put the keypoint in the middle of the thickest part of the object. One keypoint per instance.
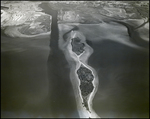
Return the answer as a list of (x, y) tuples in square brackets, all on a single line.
[(16, 33)]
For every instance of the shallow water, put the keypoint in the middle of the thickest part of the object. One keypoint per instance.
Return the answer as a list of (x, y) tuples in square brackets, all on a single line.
[(36, 82)]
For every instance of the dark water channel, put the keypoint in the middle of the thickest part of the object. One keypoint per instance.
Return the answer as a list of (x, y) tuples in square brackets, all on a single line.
[(36, 83)]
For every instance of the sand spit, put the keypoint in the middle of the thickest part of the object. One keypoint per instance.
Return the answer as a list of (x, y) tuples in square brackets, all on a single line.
[(85, 82)]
